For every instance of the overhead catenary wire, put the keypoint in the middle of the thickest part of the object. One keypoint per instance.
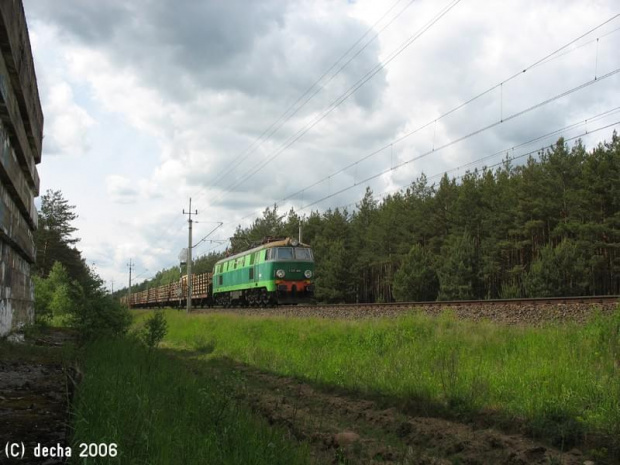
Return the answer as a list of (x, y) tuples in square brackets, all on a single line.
[(506, 150), (521, 145), (551, 56), (538, 63), (308, 95), (343, 97), (286, 116), (433, 121), (471, 134), (210, 232), (340, 100)]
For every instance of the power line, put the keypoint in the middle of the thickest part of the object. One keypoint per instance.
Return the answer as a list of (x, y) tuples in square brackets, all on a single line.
[(531, 141), (211, 232), (476, 132), (539, 62), (284, 117), (513, 148), (434, 121), (523, 144), (337, 102), (369, 75), (267, 133)]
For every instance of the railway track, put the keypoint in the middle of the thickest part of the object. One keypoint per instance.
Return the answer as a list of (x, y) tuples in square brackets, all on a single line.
[(456, 303), (535, 311)]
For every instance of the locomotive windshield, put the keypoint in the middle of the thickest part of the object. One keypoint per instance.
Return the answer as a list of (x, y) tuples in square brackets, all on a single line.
[(284, 253), (303, 253), (290, 253)]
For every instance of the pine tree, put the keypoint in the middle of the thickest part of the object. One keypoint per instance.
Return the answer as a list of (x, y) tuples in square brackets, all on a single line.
[(416, 279), (54, 237), (458, 269), (558, 271)]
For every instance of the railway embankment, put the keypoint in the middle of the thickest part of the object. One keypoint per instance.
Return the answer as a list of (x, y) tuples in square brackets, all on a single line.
[(526, 312)]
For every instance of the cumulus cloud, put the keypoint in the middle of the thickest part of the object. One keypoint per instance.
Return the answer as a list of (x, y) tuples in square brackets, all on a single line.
[(121, 189), (205, 80), (67, 124)]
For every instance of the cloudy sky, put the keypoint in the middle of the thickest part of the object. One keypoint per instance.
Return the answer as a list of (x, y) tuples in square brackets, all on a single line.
[(241, 104)]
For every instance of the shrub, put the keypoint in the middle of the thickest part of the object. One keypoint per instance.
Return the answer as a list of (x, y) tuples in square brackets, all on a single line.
[(55, 295), (97, 313), (154, 329)]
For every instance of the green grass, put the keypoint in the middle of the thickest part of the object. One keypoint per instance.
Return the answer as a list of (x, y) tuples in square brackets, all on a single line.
[(561, 381), (158, 412)]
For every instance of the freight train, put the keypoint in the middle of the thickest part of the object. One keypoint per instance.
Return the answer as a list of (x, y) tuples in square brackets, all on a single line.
[(279, 271)]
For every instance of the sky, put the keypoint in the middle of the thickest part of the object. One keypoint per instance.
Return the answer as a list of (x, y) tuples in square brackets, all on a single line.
[(241, 105)]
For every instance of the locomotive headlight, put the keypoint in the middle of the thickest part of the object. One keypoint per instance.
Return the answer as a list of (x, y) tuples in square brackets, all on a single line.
[(294, 242), (280, 273), (308, 274)]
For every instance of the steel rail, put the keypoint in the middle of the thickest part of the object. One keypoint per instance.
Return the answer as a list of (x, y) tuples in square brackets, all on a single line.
[(456, 303)]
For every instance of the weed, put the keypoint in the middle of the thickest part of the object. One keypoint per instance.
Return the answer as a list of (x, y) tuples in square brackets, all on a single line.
[(157, 412), (564, 380)]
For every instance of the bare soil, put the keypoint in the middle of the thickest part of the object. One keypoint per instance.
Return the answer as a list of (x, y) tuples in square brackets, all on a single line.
[(346, 428), (34, 395)]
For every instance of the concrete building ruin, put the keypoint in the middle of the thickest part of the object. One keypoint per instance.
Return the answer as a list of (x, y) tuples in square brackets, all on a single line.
[(21, 134)]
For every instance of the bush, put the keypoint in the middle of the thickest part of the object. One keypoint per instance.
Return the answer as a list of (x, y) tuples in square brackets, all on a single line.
[(84, 305), (100, 315), (55, 295), (154, 329)]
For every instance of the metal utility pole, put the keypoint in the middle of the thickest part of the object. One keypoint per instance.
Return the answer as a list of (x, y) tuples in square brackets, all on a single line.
[(189, 256), (112, 281), (300, 231), (130, 265)]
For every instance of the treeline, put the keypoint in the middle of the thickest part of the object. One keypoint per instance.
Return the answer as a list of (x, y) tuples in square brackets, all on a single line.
[(549, 227), (68, 291)]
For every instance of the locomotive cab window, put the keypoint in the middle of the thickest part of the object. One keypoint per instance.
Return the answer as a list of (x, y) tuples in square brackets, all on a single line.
[(285, 253), (303, 253)]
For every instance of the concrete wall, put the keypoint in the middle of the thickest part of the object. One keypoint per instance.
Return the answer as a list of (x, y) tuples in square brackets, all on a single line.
[(21, 133)]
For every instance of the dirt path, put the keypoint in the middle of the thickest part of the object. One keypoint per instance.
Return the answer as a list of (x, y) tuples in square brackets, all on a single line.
[(345, 429), (33, 396)]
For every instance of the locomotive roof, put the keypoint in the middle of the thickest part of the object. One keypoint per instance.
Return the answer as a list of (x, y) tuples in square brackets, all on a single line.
[(281, 243)]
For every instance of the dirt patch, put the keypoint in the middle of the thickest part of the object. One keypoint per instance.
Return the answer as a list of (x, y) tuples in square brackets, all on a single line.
[(361, 432), (34, 396), (343, 428)]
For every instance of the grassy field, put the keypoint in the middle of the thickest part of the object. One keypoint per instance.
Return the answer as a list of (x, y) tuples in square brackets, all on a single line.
[(562, 381), (157, 412)]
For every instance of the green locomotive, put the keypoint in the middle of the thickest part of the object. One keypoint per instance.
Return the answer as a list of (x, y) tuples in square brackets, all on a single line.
[(276, 272)]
